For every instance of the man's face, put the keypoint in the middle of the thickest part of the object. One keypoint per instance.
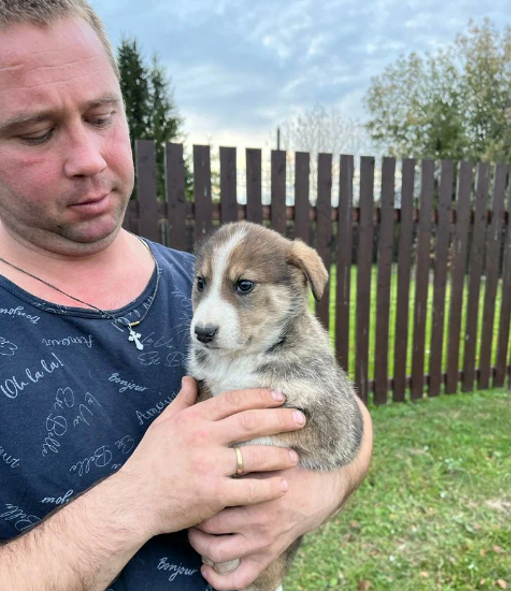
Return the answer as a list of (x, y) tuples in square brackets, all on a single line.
[(66, 170)]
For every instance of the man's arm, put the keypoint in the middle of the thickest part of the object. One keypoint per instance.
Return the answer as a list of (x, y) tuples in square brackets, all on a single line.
[(84, 545), (260, 533), (81, 547)]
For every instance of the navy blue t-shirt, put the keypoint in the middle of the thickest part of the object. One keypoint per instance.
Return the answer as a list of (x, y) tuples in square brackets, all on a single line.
[(76, 397)]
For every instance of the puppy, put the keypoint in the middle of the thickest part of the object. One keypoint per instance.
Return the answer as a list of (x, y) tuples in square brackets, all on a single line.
[(252, 327)]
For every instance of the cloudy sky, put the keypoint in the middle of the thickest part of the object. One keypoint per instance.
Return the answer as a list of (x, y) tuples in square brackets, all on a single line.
[(241, 67)]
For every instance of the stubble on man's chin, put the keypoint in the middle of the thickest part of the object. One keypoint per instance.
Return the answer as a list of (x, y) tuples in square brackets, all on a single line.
[(41, 233), (81, 239), (65, 241), (76, 243)]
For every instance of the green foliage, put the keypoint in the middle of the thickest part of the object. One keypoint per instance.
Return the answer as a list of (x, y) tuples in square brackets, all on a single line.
[(150, 105), (164, 120), (135, 89), (453, 104)]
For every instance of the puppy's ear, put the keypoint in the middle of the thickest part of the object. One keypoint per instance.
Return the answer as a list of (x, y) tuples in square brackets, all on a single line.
[(309, 262)]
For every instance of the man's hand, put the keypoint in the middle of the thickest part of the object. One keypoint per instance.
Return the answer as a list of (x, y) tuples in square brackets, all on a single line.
[(181, 469), (261, 532), (183, 466)]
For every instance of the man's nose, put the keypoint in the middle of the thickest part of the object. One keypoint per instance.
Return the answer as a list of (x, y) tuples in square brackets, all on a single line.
[(84, 157)]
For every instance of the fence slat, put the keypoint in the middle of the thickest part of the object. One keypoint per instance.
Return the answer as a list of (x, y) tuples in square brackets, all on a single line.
[(130, 222), (445, 195), (365, 257), (149, 216), (302, 203), (386, 242), (476, 267), (505, 309), (403, 279), (422, 278), (492, 270), (254, 202), (228, 185), (202, 192), (324, 229), (278, 191), (458, 275), (145, 151), (344, 239), (176, 202)]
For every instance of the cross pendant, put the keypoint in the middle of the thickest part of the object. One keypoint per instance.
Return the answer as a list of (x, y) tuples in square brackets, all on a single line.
[(135, 337)]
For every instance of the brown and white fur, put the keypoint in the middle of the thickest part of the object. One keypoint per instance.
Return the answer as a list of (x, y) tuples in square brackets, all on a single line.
[(268, 337)]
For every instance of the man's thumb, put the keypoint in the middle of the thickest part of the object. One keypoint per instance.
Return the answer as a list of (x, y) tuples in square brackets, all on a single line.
[(186, 397)]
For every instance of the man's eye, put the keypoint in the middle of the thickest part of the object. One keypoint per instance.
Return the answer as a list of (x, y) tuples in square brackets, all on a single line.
[(102, 120), (38, 139)]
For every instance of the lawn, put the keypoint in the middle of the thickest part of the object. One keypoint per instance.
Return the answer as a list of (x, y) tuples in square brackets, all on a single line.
[(434, 512)]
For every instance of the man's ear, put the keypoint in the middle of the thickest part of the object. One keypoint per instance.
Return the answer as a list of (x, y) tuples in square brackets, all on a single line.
[(309, 262)]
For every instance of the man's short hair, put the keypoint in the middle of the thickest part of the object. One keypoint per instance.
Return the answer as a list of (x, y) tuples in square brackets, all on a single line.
[(45, 12)]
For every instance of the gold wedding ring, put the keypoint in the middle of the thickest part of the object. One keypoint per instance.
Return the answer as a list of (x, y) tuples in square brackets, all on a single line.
[(239, 460)]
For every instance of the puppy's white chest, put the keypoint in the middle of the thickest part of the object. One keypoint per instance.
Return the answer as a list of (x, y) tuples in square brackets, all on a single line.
[(226, 375)]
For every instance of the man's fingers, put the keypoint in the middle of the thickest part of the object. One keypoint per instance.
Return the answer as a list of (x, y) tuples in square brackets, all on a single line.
[(250, 491), (260, 458), (218, 548), (228, 521), (185, 398), (252, 424), (236, 401)]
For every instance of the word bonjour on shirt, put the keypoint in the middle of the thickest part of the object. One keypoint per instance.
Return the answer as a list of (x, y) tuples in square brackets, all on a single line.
[(175, 569), (125, 384)]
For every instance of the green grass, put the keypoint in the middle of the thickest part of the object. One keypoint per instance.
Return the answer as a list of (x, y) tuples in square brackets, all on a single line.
[(434, 512), (392, 312)]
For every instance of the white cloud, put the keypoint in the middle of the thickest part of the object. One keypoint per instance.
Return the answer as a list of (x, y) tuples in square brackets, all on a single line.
[(240, 67), (317, 45)]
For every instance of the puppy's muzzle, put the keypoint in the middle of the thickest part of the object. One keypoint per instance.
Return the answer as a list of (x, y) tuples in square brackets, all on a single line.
[(206, 333)]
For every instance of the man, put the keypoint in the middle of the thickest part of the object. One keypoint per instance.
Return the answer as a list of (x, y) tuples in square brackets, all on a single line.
[(105, 461)]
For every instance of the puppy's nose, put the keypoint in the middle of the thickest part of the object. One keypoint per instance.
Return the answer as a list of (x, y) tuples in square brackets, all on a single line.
[(206, 332)]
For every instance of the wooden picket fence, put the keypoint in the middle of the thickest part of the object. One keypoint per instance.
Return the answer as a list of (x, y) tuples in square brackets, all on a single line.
[(453, 235)]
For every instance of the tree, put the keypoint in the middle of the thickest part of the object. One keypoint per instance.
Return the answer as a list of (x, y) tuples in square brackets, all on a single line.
[(135, 88), (453, 104), (150, 105), (164, 121), (320, 130)]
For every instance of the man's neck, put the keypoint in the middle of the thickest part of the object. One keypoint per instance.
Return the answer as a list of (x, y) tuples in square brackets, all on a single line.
[(48, 248), (108, 279)]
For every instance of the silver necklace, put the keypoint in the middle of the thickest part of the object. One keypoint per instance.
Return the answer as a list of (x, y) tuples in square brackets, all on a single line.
[(133, 335)]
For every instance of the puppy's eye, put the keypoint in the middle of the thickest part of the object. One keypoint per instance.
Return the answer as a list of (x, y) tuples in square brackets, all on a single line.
[(201, 284), (244, 286)]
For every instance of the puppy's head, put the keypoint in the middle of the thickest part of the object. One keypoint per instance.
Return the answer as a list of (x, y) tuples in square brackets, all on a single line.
[(250, 281)]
